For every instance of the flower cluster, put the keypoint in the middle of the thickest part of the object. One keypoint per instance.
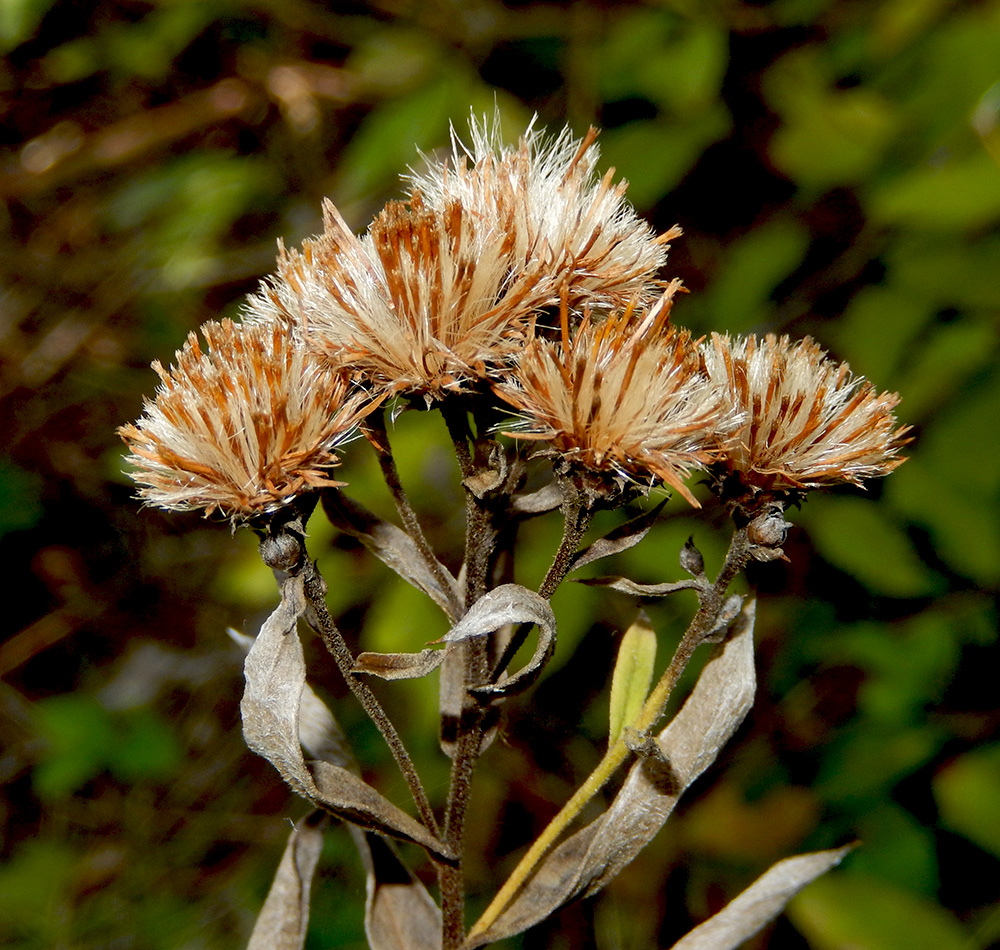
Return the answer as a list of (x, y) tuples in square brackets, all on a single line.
[(625, 395), (452, 293), (243, 427), (807, 421)]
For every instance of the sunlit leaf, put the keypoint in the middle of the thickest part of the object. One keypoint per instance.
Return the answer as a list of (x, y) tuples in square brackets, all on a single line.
[(632, 675), (967, 790), (847, 910)]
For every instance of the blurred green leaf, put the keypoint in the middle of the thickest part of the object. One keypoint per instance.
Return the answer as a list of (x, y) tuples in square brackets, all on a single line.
[(956, 62), (950, 353), (21, 492), (80, 739), (868, 759), (851, 910), (34, 884), (967, 791), (389, 139), (897, 848), (751, 269), (878, 330), (677, 64), (147, 748), (654, 154), (861, 539), (19, 19), (948, 193), (182, 210), (960, 272), (145, 49), (837, 139), (907, 666), (951, 483)]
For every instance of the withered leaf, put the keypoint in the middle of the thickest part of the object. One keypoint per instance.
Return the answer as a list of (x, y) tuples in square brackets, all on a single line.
[(591, 857), (760, 903), (399, 913), (498, 610), (537, 503), (509, 604), (395, 548), (627, 586), (275, 682), (620, 539), (399, 666), (284, 918)]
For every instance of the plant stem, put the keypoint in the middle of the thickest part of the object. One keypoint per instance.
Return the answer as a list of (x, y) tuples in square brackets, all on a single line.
[(577, 516), (341, 653), (411, 524), (702, 624), (576, 519)]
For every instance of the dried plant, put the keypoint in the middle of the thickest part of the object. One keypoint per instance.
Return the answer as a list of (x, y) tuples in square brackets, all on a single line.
[(512, 285)]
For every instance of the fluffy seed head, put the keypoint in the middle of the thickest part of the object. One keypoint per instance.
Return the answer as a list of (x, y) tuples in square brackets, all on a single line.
[(562, 215), (808, 422), (426, 302), (624, 396), (242, 427)]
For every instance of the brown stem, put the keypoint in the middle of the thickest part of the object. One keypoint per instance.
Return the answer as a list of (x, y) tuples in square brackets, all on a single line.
[(379, 439), (576, 519), (282, 548)]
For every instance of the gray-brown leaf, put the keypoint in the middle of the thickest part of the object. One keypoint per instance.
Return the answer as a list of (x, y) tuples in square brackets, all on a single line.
[(509, 604), (284, 918), (399, 913), (275, 682), (760, 903), (621, 539), (627, 586), (399, 666)]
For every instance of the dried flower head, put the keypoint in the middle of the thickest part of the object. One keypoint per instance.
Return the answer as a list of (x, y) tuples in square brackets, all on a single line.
[(425, 302), (625, 396), (808, 421), (243, 427), (561, 214)]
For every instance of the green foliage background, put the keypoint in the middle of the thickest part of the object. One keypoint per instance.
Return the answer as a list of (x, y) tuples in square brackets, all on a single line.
[(835, 168)]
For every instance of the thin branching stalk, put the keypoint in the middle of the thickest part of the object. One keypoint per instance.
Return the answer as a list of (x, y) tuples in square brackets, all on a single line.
[(702, 625), (319, 617), (379, 439), (577, 516)]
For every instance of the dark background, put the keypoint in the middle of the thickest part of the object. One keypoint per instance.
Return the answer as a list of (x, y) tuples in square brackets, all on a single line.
[(835, 168)]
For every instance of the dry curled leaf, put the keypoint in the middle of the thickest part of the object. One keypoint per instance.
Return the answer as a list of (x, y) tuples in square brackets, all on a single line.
[(503, 607), (275, 682), (760, 903), (509, 604), (399, 913), (284, 918), (590, 858), (620, 539), (626, 586), (399, 666)]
